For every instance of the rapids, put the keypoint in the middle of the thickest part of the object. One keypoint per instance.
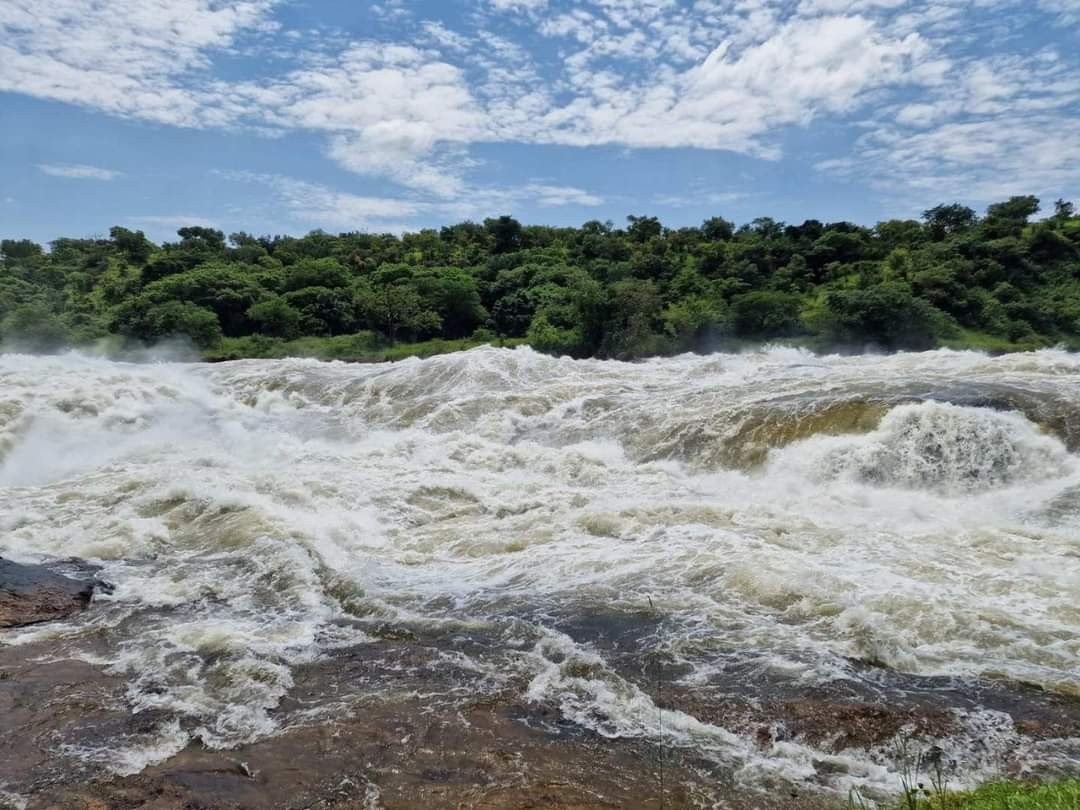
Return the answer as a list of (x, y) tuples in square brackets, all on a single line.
[(795, 516)]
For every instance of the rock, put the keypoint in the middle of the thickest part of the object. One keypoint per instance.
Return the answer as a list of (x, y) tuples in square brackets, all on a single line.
[(30, 594)]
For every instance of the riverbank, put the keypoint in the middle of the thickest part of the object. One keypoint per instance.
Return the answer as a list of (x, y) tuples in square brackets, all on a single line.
[(403, 734), (367, 347)]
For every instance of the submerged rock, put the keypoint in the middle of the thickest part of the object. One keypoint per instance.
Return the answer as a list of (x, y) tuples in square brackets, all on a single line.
[(30, 594)]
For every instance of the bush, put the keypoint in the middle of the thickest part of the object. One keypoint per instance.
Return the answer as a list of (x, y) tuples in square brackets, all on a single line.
[(696, 322), (34, 328), (275, 317), (170, 319), (766, 314), (544, 336), (887, 315)]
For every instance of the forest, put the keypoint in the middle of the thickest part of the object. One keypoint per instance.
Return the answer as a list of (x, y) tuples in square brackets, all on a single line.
[(1004, 280)]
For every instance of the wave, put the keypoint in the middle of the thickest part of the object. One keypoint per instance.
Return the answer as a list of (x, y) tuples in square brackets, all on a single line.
[(942, 447)]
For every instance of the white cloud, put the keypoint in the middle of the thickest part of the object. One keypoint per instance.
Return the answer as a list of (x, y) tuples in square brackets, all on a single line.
[(811, 7), (386, 109), (438, 34), (730, 101), (708, 74), (518, 5), (383, 151), (387, 106), (700, 198), (320, 206), (996, 126), (554, 196), (1067, 11), (981, 160), (76, 171), (125, 57), (175, 221)]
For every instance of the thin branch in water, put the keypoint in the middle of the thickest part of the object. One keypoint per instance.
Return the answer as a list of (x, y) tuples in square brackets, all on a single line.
[(659, 699)]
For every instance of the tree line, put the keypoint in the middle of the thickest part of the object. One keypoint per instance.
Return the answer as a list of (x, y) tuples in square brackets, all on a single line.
[(1001, 280)]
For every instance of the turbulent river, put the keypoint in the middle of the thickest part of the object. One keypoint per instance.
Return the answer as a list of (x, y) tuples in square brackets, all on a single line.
[(575, 532)]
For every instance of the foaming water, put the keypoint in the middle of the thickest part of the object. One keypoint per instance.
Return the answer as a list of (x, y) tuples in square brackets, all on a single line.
[(949, 448), (916, 511)]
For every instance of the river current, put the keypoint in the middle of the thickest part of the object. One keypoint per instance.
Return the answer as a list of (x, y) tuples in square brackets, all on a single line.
[(804, 519)]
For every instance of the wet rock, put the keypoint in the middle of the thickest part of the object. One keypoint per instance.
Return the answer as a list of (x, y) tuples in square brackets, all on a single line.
[(48, 701), (399, 755), (838, 725), (30, 594)]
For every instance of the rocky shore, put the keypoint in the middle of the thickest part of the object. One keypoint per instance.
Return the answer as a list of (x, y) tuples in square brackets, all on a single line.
[(31, 594), (401, 734)]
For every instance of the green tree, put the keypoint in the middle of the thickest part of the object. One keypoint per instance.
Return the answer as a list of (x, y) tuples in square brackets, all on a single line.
[(631, 328), (274, 316), (887, 315), (326, 273), (943, 221), (391, 308), (766, 314), (642, 229), (152, 322), (197, 237), (1009, 218), (323, 311), (133, 245), (717, 229), (227, 289), (544, 336), (506, 234), (451, 293), (34, 328), (14, 250), (696, 322)]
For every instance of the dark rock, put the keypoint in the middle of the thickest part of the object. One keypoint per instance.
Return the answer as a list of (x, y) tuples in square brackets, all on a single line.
[(30, 594)]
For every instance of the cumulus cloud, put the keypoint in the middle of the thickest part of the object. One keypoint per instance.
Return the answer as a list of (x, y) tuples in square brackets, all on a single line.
[(385, 105), (518, 5), (981, 159), (554, 196), (318, 205), (700, 197), (131, 58), (77, 171), (730, 100), (997, 126), (175, 221)]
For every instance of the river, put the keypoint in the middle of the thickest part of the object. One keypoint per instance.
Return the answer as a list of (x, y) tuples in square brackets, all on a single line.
[(664, 552)]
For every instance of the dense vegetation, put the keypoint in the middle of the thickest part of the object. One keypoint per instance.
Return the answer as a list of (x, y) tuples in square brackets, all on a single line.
[(1000, 281)]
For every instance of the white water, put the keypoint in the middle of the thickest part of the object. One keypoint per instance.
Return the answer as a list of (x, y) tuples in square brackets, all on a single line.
[(248, 512)]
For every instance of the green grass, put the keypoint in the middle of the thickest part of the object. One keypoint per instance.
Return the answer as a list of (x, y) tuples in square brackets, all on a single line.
[(995, 344), (998, 796), (1012, 796)]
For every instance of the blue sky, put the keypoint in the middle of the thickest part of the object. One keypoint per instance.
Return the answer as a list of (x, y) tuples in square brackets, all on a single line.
[(280, 116)]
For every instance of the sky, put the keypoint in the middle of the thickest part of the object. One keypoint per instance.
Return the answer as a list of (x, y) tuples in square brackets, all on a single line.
[(283, 116)]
